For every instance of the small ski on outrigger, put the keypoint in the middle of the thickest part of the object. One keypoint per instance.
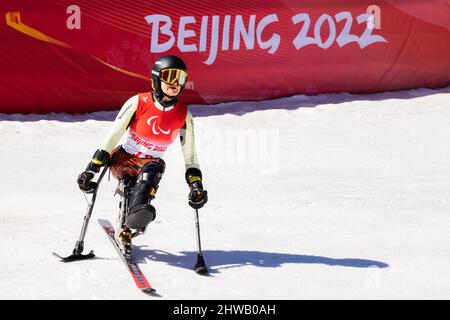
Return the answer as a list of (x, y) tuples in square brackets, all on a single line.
[(77, 252), (138, 277)]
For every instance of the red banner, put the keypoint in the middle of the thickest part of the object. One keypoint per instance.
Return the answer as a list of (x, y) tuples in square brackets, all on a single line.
[(90, 55)]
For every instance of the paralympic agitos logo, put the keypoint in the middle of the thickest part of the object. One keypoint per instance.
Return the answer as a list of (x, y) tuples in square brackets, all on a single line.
[(156, 130), (233, 31)]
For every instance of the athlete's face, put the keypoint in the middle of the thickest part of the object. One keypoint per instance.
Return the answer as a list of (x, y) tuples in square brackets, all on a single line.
[(170, 89)]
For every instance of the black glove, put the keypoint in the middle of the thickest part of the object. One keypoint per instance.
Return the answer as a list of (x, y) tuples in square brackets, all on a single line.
[(101, 158), (197, 195), (84, 181)]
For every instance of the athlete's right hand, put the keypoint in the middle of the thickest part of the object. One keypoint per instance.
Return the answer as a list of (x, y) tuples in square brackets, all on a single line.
[(101, 158), (84, 181)]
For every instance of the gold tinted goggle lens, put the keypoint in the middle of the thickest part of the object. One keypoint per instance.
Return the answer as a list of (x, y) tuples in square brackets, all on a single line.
[(174, 76)]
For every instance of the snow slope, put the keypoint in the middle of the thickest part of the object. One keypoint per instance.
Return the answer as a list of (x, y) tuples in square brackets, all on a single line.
[(332, 196)]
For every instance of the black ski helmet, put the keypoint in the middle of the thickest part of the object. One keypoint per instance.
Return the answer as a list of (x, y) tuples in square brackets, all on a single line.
[(166, 62)]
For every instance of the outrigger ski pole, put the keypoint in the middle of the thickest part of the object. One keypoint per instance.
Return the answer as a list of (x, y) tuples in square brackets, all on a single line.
[(200, 266), (79, 245)]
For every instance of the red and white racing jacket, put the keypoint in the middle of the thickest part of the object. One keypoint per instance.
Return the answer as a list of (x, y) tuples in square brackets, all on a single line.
[(150, 128)]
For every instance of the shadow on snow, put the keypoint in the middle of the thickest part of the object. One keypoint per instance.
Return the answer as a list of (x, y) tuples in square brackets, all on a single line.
[(217, 260)]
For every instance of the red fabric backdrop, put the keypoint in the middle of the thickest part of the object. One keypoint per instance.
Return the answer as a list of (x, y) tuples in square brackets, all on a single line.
[(235, 50)]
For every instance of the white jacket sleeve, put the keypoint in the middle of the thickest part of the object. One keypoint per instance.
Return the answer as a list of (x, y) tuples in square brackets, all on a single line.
[(120, 124), (188, 143)]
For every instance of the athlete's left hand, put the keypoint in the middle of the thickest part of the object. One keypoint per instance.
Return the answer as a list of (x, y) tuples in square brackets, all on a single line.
[(197, 196)]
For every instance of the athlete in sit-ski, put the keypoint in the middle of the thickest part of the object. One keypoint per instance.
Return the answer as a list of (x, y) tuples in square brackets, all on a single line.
[(151, 122)]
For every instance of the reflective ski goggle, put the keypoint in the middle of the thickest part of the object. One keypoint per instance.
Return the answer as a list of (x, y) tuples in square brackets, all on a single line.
[(174, 76)]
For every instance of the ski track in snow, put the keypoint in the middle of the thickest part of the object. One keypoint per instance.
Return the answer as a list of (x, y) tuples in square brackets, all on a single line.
[(332, 196)]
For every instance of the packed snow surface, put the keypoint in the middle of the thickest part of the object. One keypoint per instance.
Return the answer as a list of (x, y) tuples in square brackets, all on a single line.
[(334, 196)]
